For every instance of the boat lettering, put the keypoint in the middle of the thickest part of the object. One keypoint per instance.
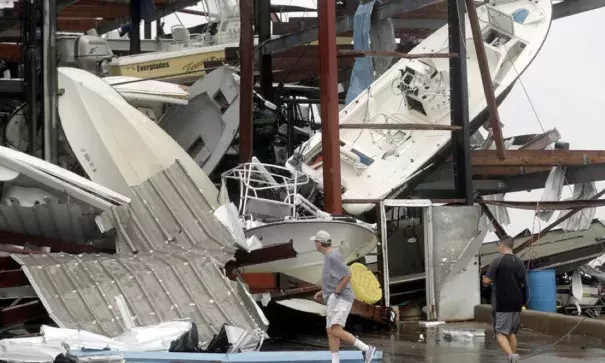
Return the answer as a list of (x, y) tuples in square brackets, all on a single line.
[(89, 160), (191, 66), (153, 66)]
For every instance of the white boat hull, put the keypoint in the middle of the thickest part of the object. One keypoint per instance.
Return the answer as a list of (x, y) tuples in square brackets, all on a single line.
[(117, 145), (387, 159), (354, 240)]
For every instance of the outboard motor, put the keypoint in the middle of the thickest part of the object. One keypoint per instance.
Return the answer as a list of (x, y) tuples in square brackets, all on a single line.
[(92, 53)]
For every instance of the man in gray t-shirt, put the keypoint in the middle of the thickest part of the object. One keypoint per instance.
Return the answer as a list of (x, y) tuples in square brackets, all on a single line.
[(338, 295)]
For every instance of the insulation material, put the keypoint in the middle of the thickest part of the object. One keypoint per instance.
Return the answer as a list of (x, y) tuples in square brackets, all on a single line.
[(582, 220), (227, 214), (54, 341), (500, 213), (168, 213), (552, 190), (362, 74), (456, 243), (79, 291)]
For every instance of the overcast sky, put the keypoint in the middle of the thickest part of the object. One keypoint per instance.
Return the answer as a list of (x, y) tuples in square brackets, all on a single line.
[(563, 84)]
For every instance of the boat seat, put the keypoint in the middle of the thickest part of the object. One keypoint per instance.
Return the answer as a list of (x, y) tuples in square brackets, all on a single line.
[(180, 34), (262, 208)]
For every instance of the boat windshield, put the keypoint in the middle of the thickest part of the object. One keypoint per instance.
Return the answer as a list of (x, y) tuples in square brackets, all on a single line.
[(520, 15)]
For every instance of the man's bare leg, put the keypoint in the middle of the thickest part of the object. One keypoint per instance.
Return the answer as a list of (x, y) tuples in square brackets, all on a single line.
[(512, 340), (334, 343), (504, 344)]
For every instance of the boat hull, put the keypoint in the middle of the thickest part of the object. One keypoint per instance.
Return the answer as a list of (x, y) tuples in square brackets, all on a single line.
[(118, 146), (353, 240)]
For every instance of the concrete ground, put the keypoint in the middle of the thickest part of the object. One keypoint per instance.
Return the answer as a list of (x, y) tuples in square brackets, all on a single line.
[(403, 345)]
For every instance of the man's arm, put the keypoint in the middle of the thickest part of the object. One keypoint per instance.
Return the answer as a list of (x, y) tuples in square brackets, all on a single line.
[(490, 275)]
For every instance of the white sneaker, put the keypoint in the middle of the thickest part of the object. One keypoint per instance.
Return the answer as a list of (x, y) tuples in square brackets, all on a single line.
[(369, 354)]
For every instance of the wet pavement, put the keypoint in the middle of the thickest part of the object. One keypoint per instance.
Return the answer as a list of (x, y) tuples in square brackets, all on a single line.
[(403, 345)]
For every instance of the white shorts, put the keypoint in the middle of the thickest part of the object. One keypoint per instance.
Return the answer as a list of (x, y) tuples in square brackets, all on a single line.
[(338, 311)]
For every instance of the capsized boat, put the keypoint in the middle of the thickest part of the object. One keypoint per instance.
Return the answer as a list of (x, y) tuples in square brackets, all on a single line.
[(272, 208), (206, 127), (417, 91), (116, 145), (150, 97)]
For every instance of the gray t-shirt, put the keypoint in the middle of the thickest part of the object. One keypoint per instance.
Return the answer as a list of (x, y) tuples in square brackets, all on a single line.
[(334, 270)]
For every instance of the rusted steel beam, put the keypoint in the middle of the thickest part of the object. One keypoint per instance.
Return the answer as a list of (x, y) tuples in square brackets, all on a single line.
[(21, 313), (329, 106), (372, 53), (375, 201), (500, 232), (486, 78), (546, 205), (78, 10), (246, 48), (534, 238), (55, 245), (539, 157), (492, 171), (296, 292), (399, 126)]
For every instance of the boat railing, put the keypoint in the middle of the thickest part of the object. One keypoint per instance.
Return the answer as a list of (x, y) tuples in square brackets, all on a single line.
[(257, 181)]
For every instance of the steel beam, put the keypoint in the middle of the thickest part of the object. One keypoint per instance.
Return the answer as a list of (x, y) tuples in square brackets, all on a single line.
[(459, 102), (246, 49), (486, 79), (49, 94), (330, 140), (342, 24), (262, 14), (135, 27), (539, 158)]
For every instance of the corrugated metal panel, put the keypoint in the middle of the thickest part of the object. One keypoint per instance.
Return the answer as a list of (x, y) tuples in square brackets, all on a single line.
[(79, 291), (170, 213), (67, 222)]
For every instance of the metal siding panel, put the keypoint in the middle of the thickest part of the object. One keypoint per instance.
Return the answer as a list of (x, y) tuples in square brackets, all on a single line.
[(79, 291)]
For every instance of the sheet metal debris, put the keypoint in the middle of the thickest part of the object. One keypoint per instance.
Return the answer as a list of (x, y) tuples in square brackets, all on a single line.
[(169, 213), (79, 292)]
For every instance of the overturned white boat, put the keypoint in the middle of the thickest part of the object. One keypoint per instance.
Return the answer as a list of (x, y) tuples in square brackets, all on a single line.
[(116, 145), (417, 92), (274, 211)]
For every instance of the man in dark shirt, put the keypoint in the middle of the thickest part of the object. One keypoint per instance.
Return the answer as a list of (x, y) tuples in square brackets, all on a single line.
[(507, 275)]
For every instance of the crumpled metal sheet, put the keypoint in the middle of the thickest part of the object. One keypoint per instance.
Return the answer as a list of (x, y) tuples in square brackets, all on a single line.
[(582, 220), (168, 213), (456, 243), (552, 190), (79, 292), (67, 222), (362, 74)]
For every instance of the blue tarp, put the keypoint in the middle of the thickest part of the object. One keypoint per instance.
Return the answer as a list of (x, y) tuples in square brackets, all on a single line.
[(362, 75)]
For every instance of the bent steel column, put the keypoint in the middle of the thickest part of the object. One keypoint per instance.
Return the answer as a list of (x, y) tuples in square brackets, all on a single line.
[(328, 86), (246, 55), (135, 26), (49, 72), (459, 101)]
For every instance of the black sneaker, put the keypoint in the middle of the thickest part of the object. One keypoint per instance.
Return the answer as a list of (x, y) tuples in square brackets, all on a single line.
[(368, 354)]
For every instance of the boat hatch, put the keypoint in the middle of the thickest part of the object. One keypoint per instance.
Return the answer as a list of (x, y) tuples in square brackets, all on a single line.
[(363, 158), (500, 23), (221, 101)]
